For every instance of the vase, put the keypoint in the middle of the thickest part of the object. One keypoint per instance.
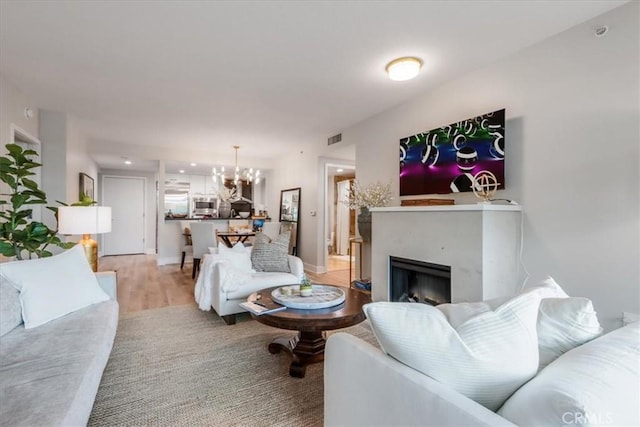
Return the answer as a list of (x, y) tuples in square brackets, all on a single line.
[(364, 224), (224, 210)]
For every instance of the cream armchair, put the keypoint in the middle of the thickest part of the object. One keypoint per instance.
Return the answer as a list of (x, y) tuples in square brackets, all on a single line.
[(210, 288)]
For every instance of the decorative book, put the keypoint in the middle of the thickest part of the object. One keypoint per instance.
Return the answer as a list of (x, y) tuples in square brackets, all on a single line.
[(259, 307)]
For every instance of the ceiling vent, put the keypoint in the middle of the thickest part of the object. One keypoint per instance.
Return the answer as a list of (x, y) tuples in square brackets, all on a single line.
[(334, 139)]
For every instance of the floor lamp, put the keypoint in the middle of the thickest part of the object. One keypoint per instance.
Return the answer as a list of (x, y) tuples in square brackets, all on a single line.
[(85, 220)]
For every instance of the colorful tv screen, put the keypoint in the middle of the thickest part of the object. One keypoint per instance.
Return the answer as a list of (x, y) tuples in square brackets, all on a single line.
[(446, 159)]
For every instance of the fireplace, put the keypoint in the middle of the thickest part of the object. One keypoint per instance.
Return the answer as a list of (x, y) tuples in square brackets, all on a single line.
[(419, 281)]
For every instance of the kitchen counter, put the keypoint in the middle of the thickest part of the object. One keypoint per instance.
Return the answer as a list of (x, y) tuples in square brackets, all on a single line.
[(198, 219)]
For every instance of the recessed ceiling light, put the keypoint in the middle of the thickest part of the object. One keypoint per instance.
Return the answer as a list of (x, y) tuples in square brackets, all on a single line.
[(181, 170), (194, 164), (404, 68), (340, 170), (127, 162)]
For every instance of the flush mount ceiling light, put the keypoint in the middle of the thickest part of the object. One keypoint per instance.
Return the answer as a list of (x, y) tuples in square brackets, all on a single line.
[(404, 68)]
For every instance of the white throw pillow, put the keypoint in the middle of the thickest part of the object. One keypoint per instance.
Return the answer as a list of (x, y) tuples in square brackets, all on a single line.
[(461, 312), (53, 287), (238, 256), (594, 384), (563, 324), (486, 356)]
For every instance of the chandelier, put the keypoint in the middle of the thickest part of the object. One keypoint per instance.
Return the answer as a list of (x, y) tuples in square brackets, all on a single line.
[(247, 174)]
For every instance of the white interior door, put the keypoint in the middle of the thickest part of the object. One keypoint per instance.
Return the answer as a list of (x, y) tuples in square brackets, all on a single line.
[(126, 197)]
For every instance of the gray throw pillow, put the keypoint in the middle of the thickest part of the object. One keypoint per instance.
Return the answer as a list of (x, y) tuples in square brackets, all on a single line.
[(271, 256)]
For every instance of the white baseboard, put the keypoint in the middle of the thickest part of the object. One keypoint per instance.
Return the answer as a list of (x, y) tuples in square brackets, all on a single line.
[(150, 251), (317, 269), (169, 260)]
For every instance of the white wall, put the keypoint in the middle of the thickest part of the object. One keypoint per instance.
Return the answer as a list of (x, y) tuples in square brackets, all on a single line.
[(304, 168), (78, 161), (299, 169), (12, 105), (64, 156), (53, 131), (572, 142)]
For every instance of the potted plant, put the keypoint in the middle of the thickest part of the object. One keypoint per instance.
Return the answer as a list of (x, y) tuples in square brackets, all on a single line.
[(364, 198), (17, 233), (306, 288)]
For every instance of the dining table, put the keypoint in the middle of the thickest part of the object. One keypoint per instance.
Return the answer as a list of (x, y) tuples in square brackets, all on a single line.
[(230, 238)]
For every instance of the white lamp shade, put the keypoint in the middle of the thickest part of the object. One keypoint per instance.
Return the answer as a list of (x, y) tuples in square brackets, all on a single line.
[(84, 219)]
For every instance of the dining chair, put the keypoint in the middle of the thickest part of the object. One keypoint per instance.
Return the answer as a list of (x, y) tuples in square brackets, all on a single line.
[(187, 248), (203, 236)]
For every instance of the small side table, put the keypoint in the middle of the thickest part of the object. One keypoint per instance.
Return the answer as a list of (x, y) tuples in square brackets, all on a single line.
[(354, 241)]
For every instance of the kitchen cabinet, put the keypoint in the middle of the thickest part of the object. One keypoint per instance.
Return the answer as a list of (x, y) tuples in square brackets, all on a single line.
[(176, 179), (197, 184), (202, 185), (209, 186)]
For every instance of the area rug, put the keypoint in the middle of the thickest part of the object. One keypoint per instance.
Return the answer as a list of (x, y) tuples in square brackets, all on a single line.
[(180, 366)]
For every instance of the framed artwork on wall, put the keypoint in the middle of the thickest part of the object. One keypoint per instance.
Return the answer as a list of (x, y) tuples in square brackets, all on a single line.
[(86, 187), (447, 159)]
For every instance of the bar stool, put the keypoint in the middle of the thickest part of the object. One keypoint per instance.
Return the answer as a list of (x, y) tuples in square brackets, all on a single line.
[(188, 244)]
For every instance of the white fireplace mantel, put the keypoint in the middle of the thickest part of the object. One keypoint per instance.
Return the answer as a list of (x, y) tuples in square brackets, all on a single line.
[(440, 208), (480, 242)]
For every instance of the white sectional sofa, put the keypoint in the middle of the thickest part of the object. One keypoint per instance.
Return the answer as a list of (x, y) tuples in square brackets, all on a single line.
[(596, 383), (49, 375)]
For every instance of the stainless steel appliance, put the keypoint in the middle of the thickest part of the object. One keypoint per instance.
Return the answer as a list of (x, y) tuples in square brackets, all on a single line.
[(204, 206), (176, 199)]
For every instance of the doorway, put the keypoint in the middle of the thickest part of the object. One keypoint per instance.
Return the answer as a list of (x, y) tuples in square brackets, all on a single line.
[(341, 219), (126, 196)]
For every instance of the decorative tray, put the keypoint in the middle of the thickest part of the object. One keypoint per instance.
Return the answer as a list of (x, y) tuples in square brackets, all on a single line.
[(323, 296)]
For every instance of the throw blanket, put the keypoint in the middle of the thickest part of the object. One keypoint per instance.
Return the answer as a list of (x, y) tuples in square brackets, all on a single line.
[(230, 279)]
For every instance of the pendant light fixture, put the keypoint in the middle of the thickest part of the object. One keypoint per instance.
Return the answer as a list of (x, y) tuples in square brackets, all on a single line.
[(247, 174)]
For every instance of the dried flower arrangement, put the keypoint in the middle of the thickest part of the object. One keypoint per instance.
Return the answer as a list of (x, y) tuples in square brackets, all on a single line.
[(373, 195), (227, 194)]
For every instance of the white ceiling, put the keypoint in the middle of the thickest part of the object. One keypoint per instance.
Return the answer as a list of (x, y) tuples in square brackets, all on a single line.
[(269, 76)]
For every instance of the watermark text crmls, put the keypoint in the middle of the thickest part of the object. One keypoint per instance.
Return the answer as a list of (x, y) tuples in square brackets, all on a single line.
[(581, 418)]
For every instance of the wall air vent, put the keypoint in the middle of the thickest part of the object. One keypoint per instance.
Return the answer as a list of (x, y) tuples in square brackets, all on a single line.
[(334, 139)]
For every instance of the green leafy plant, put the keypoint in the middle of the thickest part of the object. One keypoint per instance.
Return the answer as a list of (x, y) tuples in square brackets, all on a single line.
[(17, 233), (305, 283), (84, 201)]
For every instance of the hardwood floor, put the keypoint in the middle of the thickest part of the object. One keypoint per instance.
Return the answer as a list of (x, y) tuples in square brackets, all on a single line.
[(143, 285)]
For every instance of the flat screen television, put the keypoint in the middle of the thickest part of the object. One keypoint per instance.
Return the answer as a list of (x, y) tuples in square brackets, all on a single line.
[(445, 160)]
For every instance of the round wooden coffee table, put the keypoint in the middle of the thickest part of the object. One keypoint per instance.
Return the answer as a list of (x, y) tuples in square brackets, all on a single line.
[(308, 346)]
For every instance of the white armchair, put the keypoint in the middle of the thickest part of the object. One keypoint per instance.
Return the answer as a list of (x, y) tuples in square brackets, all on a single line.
[(211, 292)]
